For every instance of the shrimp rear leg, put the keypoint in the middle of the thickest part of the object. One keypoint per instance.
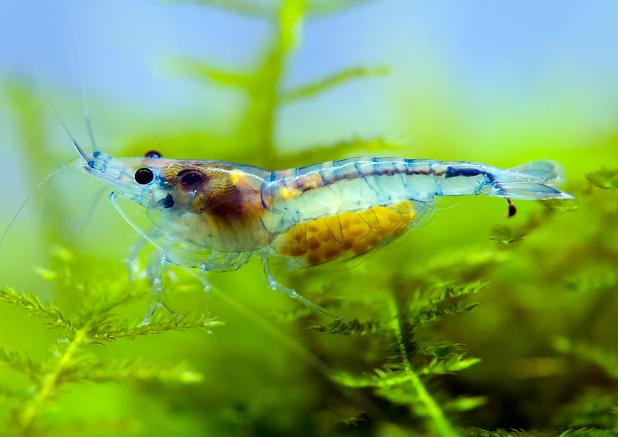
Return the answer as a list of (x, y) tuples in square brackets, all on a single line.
[(207, 290), (277, 286)]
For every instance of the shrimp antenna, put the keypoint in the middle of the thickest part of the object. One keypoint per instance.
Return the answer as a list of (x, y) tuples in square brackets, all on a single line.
[(29, 197), (78, 70), (85, 106), (75, 143), (88, 120)]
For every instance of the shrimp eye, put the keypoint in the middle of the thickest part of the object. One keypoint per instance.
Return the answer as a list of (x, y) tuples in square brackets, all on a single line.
[(190, 178), (144, 176), (153, 154)]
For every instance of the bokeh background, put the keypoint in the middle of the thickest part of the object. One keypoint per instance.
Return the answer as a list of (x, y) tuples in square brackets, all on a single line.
[(496, 82)]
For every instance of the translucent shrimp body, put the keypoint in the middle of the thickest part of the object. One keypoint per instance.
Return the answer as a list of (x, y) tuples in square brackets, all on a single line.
[(215, 215)]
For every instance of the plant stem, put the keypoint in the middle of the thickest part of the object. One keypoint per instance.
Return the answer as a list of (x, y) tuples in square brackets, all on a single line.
[(261, 117), (440, 422), (49, 383)]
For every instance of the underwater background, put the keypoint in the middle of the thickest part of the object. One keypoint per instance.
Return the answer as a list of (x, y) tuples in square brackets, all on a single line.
[(471, 324)]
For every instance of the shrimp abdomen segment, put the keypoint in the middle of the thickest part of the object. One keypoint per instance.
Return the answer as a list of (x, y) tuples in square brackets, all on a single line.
[(349, 185), (343, 236)]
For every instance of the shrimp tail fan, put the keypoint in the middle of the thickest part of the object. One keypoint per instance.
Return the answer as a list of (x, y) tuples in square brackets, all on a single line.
[(531, 181), (549, 171)]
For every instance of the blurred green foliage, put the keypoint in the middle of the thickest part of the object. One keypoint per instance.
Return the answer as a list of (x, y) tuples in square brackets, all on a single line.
[(485, 327)]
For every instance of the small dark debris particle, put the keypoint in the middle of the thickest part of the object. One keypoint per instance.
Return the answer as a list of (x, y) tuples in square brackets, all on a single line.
[(512, 208)]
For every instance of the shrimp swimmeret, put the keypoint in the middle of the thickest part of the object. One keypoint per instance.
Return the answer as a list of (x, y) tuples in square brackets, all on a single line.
[(214, 215)]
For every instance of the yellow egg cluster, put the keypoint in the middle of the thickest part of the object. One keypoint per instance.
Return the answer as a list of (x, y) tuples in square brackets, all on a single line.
[(345, 235)]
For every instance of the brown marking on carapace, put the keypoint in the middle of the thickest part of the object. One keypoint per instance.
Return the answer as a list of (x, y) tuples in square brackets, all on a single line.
[(344, 235), (218, 192)]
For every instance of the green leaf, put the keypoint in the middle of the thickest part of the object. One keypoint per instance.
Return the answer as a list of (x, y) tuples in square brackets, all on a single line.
[(604, 178), (440, 350), (352, 327), (380, 378), (19, 362), (403, 395), (433, 314), (46, 274), (506, 235), (465, 403), (111, 329), (131, 371), (329, 82), (432, 306), (220, 76), (33, 306), (452, 364)]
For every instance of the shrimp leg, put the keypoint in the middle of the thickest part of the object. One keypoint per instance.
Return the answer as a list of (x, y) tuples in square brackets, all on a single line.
[(207, 289), (130, 261), (277, 286), (154, 271)]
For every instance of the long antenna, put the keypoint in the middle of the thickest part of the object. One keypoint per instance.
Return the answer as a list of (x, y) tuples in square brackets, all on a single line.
[(75, 143), (78, 70), (27, 199), (87, 116)]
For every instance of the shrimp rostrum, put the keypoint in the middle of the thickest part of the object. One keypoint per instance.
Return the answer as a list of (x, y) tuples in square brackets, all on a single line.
[(213, 216)]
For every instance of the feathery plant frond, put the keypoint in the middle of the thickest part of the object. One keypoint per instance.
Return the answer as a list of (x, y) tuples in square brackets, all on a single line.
[(19, 362), (411, 361), (507, 235), (33, 306), (91, 323), (421, 400), (113, 329), (353, 327)]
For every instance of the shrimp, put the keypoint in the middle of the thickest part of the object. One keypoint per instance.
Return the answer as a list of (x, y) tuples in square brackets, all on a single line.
[(213, 216)]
